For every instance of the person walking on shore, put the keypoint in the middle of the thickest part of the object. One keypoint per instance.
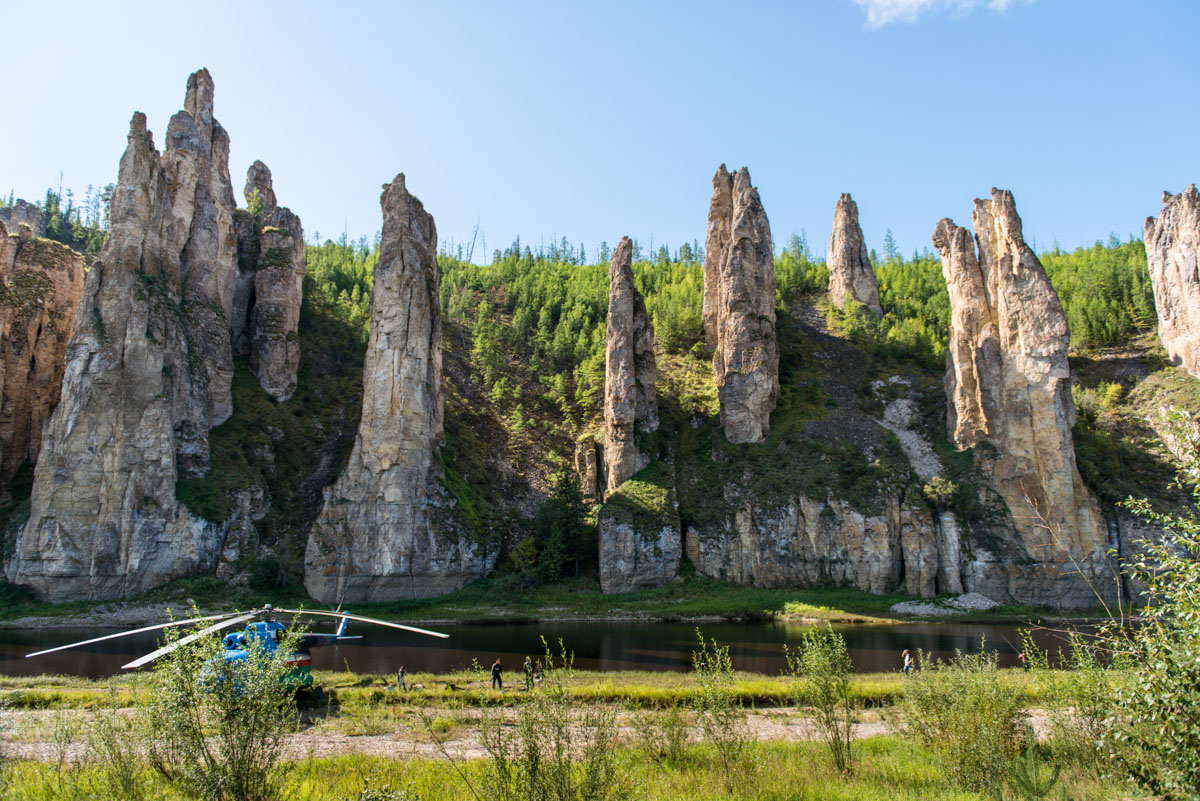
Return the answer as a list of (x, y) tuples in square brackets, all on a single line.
[(400, 674), (907, 657), (497, 675)]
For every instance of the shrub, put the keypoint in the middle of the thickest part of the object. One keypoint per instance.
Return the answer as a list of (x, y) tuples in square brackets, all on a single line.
[(1154, 731), (721, 718), (822, 669), (218, 727), (966, 715), (662, 734)]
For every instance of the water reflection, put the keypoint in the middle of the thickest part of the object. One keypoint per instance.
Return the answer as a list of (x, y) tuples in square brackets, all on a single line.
[(754, 647)]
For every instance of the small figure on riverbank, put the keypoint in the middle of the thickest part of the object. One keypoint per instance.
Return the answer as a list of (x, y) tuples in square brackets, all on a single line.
[(907, 657), (497, 675), (528, 668), (1024, 660), (400, 674)]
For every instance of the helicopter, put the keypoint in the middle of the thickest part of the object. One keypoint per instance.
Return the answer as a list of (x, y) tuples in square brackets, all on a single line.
[(267, 634)]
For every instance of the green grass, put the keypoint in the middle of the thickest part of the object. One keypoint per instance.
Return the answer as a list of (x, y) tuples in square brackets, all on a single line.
[(888, 768)]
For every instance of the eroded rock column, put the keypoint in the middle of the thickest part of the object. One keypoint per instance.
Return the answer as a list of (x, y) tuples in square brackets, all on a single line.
[(742, 304), (40, 285), (1008, 383), (630, 404), (383, 533), (850, 275), (148, 371), (266, 308), (1173, 259)]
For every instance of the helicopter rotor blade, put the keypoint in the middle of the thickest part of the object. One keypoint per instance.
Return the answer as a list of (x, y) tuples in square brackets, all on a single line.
[(365, 620), (135, 631), (166, 649)]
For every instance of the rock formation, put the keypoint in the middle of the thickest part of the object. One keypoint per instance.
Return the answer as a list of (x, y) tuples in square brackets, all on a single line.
[(40, 285), (587, 466), (1173, 259), (148, 371), (808, 542), (639, 533), (739, 298), (22, 213), (1008, 384), (629, 369), (270, 285), (720, 219), (850, 273), (385, 532)]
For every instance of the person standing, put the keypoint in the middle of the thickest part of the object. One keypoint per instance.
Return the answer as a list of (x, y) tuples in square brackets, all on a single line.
[(907, 657), (497, 675), (400, 683), (1024, 661), (528, 674)]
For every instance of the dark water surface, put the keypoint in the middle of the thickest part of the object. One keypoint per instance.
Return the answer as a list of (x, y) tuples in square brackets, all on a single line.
[(754, 647)]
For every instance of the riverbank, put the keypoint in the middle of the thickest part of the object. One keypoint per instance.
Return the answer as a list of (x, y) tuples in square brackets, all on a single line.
[(693, 599)]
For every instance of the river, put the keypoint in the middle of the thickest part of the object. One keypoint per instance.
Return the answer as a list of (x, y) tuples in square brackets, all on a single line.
[(754, 647)]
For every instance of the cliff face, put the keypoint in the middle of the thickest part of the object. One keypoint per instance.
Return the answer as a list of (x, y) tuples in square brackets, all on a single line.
[(270, 286), (148, 371), (720, 220), (805, 542), (384, 533), (850, 273), (1008, 384), (40, 285), (629, 369), (632, 552), (1173, 259), (741, 300), (22, 213)]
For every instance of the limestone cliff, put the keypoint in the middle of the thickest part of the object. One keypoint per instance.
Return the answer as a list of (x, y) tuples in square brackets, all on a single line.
[(148, 374), (806, 542), (1008, 384), (40, 285), (741, 300), (720, 219), (384, 532), (629, 369), (850, 273), (23, 213), (270, 286), (1173, 259), (639, 532)]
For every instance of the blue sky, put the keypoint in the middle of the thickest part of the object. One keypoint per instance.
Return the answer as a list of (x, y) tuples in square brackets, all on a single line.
[(599, 120)]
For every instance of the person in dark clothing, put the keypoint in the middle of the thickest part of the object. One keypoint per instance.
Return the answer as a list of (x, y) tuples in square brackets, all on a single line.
[(400, 675), (497, 675)]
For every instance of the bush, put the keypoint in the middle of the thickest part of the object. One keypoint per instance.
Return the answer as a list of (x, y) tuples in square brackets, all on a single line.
[(721, 717), (967, 716), (217, 727), (1154, 731), (822, 670)]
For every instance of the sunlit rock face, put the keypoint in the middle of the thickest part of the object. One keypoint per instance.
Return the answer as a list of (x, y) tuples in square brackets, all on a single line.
[(630, 404), (850, 275), (385, 532), (1008, 388), (270, 286), (739, 307), (1173, 259), (148, 373), (40, 285)]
